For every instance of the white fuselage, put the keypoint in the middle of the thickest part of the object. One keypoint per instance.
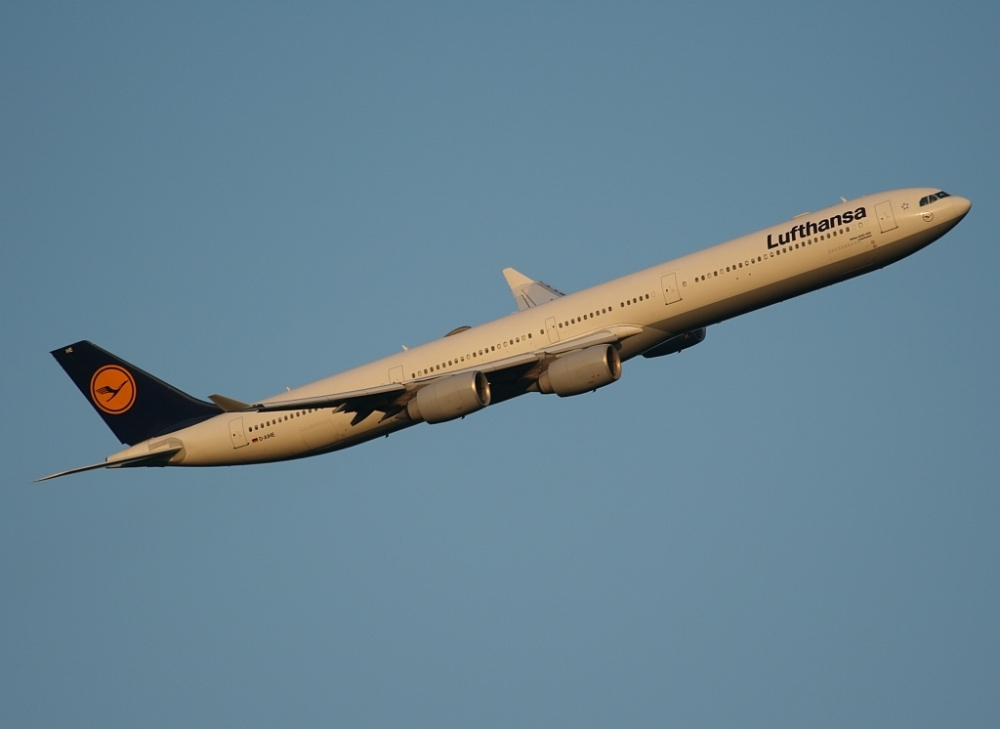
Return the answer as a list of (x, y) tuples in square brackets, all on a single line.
[(681, 295)]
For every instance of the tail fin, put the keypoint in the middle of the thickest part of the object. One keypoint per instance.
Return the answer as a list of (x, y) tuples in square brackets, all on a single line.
[(133, 403)]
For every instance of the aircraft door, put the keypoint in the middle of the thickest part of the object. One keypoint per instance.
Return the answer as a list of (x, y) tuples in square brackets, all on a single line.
[(670, 291), (236, 432), (396, 374), (886, 220), (550, 327)]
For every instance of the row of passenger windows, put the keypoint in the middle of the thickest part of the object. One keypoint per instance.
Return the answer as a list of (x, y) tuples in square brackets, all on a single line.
[(931, 198), (475, 354), (633, 301), (430, 370), (780, 251), (280, 419), (606, 310), (578, 319)]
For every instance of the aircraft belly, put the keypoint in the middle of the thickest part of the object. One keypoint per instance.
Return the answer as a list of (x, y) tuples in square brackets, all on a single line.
[(635, 345), (786, 288), (350, 435), (211, 444), (760, 297), (325, 432), (900, 249)]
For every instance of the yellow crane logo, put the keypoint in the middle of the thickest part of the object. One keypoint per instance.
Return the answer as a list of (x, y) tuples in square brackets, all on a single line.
[(112, 389)]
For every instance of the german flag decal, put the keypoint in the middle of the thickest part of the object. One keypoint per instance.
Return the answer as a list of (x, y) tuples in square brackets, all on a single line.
[(112, 389)]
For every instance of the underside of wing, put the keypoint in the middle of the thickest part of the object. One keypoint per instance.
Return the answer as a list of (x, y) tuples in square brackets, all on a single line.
[(388, 399), (609, 335)]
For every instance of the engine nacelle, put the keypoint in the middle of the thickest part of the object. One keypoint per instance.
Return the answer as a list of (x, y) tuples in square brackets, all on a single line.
[(450, 398), (676, 344), (582, 371)]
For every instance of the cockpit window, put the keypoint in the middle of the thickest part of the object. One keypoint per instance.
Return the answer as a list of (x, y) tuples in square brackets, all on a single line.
[(931, 198)]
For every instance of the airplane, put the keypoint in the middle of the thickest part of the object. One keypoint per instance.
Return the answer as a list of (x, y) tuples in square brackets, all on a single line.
[(554, 344)]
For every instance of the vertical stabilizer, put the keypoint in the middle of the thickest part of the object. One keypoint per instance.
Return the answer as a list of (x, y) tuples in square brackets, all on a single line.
[(133, 403)]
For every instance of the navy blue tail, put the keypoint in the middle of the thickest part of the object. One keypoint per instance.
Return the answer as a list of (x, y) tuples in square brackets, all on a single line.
[(133, 403)]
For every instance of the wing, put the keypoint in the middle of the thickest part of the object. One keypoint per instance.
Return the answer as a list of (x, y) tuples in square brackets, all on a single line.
[(509, 377), (353, 400), (391, 399), (528, 292), (608, 335)]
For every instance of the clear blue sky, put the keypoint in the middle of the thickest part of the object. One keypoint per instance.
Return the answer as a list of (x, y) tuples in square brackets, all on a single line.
[(794, 524)]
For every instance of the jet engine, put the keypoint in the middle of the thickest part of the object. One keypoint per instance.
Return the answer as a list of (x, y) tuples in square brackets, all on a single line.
[(450, 398), (582, 371)]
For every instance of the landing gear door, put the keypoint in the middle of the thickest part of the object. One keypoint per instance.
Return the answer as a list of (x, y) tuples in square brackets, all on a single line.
[(671, 293), (236, 433)]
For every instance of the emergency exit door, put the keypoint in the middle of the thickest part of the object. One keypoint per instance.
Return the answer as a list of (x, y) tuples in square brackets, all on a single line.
[(237, 433), (670, 291), (886, 220)]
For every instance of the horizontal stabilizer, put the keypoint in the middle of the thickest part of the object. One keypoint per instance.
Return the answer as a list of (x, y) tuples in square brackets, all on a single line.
[(159, 458), (528, 292), (227, 404)]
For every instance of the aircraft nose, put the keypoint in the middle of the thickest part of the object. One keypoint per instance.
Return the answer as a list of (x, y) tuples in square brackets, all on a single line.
[(961, 205)]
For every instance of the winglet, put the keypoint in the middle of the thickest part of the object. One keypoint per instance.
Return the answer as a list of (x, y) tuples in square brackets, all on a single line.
[(528, 292)]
